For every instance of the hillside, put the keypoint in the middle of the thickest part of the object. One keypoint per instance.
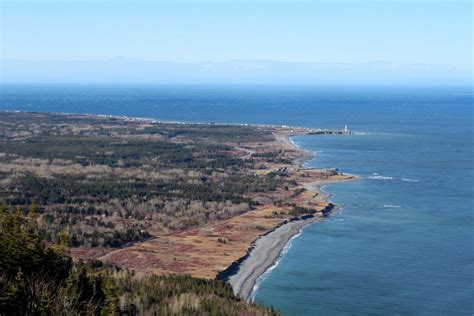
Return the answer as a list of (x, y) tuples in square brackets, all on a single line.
[(41, 279)]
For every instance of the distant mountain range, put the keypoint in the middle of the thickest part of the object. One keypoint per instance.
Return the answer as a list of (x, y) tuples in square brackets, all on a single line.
[(125, 70)]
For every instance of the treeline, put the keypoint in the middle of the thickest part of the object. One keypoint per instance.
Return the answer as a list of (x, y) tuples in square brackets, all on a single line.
[(110, 212), (121, 152), (300, 210), (210, 132), (37, 278), (110, 182)]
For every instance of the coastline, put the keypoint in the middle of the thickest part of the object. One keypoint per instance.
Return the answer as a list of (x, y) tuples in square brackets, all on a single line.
[(263, 255), (243, 275), (242, 248)]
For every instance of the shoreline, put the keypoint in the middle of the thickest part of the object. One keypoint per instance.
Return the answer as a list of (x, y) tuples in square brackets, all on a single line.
[(264, 254), (149, 120), (261, 251)]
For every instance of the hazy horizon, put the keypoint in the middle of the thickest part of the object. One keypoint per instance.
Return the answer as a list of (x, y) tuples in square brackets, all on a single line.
[(392, 42), (135, 71)]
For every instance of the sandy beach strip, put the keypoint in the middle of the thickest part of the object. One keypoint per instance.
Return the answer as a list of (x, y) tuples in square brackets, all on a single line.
[(263, 255)]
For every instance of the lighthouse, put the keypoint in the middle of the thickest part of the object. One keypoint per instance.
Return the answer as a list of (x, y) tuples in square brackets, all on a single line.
[(346, 131)]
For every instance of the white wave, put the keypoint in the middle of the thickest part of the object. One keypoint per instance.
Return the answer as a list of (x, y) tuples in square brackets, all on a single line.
[(391, 206), (410, 180), (275, 264), (293, 142), (380, 177)]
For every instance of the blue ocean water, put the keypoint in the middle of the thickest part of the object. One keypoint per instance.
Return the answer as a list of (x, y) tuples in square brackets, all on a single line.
[(403, 242)]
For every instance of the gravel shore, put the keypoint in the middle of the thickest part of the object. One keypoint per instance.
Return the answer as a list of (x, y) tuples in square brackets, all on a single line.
[(266, 249), (265, 252)]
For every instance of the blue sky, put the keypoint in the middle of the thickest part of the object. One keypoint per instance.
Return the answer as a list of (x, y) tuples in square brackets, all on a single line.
[(360, 31)]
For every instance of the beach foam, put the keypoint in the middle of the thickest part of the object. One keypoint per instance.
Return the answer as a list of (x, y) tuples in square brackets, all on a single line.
[(293, 142)]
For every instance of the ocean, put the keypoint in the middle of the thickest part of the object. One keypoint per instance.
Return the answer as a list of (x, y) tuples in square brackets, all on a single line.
[(402, 242)]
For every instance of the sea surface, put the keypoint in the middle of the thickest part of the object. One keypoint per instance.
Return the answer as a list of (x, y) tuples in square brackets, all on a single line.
[(403, 241)]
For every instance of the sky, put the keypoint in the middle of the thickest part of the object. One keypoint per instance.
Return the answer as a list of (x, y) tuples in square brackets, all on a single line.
[(436, 33)]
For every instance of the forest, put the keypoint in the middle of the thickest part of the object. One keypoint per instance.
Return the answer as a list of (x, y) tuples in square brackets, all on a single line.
[(111, 181), (40, 278)]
